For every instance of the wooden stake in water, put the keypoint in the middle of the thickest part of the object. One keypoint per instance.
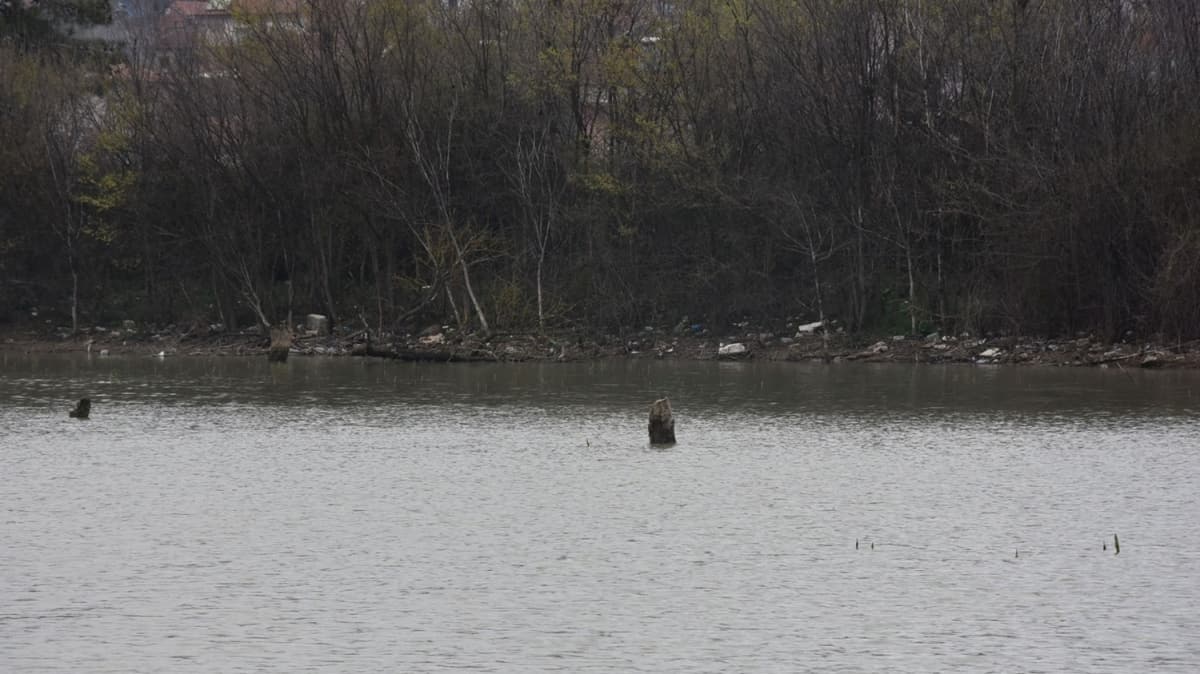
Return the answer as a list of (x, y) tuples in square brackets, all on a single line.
[(281, 343), (662, 423), (82, 410), (1116, 545)]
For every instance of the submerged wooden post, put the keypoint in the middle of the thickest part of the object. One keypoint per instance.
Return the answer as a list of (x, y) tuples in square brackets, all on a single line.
[(1116, 545), (281, 342), (82, 410), (662, 424)]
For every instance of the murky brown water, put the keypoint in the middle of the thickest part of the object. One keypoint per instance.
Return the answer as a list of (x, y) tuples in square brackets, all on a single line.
[(340, 515)]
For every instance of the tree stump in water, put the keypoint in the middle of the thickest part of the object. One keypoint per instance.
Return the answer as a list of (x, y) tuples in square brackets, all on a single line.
[(281, 342), (662, 424), (82, 410)]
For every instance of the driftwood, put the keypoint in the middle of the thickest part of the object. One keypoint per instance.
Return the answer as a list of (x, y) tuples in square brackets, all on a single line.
[(82, 410), (424, 355), (441, 356), (662, 424), (1116, 358)]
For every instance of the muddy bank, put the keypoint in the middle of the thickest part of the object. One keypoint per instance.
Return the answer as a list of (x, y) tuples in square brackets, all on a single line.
[(445, 344)]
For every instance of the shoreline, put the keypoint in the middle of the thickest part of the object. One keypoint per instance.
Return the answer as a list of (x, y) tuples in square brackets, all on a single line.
[(448, 345)]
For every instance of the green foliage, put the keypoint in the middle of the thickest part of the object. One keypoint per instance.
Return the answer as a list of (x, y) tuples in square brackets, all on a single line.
[(600, 183), (106, 185), (512, 305), (104, 190)]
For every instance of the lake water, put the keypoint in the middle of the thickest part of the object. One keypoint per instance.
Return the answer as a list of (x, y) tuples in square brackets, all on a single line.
[(224, 515)]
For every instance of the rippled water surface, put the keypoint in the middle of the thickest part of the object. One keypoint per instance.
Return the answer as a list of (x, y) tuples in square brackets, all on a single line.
[(340, 515)]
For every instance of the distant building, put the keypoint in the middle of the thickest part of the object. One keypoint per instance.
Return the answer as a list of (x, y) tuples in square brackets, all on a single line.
[(188, 24)]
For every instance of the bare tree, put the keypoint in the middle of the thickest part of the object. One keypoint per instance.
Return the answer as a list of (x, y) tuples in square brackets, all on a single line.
[(71, 124), (539, 186), (435, 170)]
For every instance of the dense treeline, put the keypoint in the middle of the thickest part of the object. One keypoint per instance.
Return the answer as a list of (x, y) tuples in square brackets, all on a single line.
[(1025, 166)]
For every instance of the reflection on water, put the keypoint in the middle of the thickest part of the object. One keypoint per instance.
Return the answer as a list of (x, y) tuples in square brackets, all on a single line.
[(226, 515)]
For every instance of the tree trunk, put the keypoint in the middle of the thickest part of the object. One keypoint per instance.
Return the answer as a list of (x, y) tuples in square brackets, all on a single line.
[(541, 312), (912, 291), (74, 298), (467, 281), (812, 252)]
